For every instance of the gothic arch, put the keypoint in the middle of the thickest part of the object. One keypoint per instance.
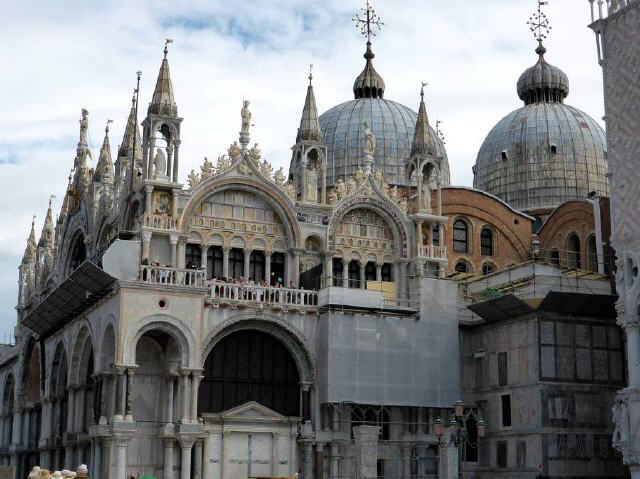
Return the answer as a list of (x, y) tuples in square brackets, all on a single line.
[(266, 190), (171, 325), (58, 370), (32, 374), (75, 225), (107, 348), (295, 342), (388, 211), (83, 347)]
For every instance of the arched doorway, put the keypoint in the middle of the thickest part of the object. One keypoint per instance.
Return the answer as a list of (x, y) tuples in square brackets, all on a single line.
[(59, 398), (32, 388), (250, 365), (8, 401)]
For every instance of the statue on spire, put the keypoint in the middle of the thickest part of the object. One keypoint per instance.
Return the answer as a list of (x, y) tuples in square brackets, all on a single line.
[(83, 151), (245, 113)]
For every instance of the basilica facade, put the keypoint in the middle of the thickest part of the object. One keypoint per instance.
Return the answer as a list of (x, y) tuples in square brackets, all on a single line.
[(356, 316)]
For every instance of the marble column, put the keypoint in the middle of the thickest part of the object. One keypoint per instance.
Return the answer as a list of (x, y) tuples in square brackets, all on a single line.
[(173, 241), (448, 465), (68, 457), (97, 459), (267, 267), (169, 398), (195, 383), (307, 460), (296, 269), (378, 272), (181, 253), (120, 463), (247, 265), (345, 273), (26, 430), (71, 409), (363, 282), (185, 472), (185, 395), (204, 250), (119, 396), (128, 404), (225, 261), (334, 464), (323, 185), (632, 330), (17, 429), (319, 461), (207, 470), (108, 456), (146, 243), (148, 208), (168, 458), (176, 160), (197, 460), (80, 410), (169, 161)]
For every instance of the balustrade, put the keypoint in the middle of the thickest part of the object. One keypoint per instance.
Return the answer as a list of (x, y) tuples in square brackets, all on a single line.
[(160, 222), (247, 293), (433, 252), (171, 276)]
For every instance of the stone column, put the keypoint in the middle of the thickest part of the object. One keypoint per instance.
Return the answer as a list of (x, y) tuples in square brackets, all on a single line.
[(68, 457), (146, 243), (181, 252), (323, 185), (168, 458), (225, 261), (448, 465), (378, 272), (632, 329), (148, 189), (128, 411), (419, 237), (195, 383), (247, 267), (107, 456), (17, 429), (173, 241), (119, 396), (185, 395), (307, 460), (267, 266), (334, 465), (302, 170), (197, 463), (82, 406), (328, 270), (204, 250), (319, 461), (363, 282), (174, 204), (97, 459), (366, 451), (26, 430), (345, 273), (169, 161), (186, 445), (170, 385), (176, 157), (207, 471), (275, 454), (120, 463), (406, 462), (71, 407), (439, 198), (149, 156), (296, 269)]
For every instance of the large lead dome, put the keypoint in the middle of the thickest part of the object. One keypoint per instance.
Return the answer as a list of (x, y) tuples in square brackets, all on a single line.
[(392, 124), (546, 152)]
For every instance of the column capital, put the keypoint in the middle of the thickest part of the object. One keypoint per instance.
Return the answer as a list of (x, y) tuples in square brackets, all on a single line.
[(173, 238), (148, 188)]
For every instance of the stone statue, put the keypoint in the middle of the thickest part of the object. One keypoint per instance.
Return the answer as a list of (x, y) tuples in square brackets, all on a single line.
[(84, 128), (193, 179), (279, 177), (426, 193), (246, 118), (370, 140), (291, 191), (207, 169), (621, 420), (266, 169), (312, 184), (360, 176), (234, 151), (83, 151), (160, 165), (255, 154), (351, 185), (393, 192), (223, 164), (333, 197), (340, 189)]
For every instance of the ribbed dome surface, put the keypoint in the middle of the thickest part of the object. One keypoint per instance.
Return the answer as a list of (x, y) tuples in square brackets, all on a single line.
[(541, 155), (543, 82), (392, 124)]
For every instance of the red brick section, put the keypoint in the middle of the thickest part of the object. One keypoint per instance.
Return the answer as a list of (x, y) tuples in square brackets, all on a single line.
[(512, 231)]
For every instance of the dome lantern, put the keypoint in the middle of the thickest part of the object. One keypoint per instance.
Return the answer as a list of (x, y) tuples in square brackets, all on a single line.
[(543, 82)]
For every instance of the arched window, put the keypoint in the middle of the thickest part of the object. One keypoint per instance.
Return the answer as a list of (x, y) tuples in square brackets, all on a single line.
[(462, 267), (573, 251), (387, 272), (256, 266), (435, 235), (554, 257), (236, 263), (250, 366), (215, 266), (592, 254), (370, 271), (488, 268), (354, 274), (460, 237), (78, 254), (277, 269), (486, 242), (338, 271), (193, 256)]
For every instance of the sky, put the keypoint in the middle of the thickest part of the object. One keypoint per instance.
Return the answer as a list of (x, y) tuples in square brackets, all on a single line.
[(59, 57)]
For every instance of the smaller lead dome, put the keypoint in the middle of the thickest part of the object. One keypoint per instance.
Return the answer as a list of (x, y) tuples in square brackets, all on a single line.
[(543, 82), (369, 83)]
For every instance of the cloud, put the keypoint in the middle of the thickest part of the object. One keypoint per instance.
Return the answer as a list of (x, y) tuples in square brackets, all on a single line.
[(66, 55)]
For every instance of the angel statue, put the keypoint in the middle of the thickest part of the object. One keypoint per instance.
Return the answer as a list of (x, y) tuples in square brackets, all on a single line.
[(160, 164), (255, 154), (279, 177), (193, 179), (234, 151), (207, 168), (370, 140), (246, 119)]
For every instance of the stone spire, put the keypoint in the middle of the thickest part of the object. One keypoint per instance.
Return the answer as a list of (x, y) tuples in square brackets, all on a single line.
[(104, 168), (29, 256), (423, 143), (130, 141), (369, 83), (48, 230), (309, 125), (163, 102)]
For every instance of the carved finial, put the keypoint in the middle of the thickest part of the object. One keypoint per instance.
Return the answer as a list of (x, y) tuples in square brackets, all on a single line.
[(106, 128), (310, 73), (166, 46), (439, 132), (424, 84), (369, 19), (539, 23)]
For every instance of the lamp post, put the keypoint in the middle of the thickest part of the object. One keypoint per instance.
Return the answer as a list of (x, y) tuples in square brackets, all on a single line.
[(458, 428)]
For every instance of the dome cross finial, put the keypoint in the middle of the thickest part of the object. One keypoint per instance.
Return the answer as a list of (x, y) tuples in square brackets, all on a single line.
[(539, 24), (367, 23)]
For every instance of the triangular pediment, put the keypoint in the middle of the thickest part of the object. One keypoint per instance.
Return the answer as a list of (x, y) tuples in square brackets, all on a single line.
[(251, 410)]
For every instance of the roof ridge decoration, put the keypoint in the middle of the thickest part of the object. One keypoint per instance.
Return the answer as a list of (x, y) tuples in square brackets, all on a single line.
[(543, 82), (369, 84), (163, 101)]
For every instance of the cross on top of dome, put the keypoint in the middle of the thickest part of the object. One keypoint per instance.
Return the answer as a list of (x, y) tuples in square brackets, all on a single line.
[(369, 83), (539, 23), (370, 18)]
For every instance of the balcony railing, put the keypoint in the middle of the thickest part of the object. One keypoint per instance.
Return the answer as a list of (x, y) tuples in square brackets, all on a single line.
[(171, 276), (160, 222), (232, 293), (437, 253)]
